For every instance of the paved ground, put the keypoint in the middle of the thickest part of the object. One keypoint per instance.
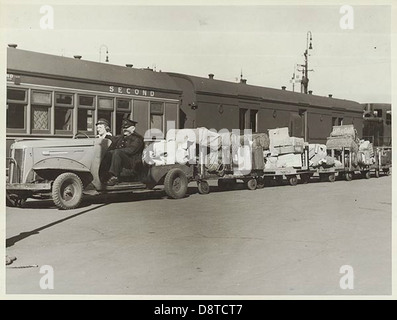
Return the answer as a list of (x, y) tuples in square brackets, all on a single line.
[(275, 241)]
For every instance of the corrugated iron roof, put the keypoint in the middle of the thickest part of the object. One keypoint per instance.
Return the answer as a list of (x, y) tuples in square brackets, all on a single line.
[(29, 62)]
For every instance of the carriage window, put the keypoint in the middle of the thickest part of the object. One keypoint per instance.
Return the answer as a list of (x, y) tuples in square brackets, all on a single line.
[(123, 107), (337, 121), (156, 115), (41, 111), (41, 119), (16, 95), (16, 110), (63, 112), (85, 120), (86, 101), (41, 98), (63, 99), (63, 119), (16, 116), (85, 114), (123, 104), (105, 103)]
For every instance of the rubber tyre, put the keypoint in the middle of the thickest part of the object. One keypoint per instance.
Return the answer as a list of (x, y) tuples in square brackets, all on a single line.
[(293, 180), (175, 183), (348, 176), (10, 201), (331, 177), (367, 175), (67, 191), (203, 187), (260, 183), (252, 184)]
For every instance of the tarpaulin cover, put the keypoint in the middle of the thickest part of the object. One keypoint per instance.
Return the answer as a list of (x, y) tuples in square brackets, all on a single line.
[(340, 142), (344, 130)]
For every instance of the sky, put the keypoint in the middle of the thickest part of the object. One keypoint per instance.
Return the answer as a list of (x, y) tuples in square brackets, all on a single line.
[(263, 41)]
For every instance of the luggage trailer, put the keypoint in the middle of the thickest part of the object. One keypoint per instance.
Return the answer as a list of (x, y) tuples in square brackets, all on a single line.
[(226, 178), (291, 174), (381, 165), (349, 167)]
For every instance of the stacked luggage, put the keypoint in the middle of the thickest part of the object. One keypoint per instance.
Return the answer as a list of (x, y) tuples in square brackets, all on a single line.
[(365, 154), (284, 151), (344, 136)]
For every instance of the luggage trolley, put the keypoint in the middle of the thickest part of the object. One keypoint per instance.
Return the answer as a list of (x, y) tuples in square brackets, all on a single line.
[(382, 161), (290, 173), (349, 167), (227, 174)]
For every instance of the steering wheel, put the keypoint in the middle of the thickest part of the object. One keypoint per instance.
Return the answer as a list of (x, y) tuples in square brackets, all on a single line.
[(78, 133)]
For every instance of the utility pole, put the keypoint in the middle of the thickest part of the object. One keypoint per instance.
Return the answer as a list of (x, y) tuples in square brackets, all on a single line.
[(305, 71)]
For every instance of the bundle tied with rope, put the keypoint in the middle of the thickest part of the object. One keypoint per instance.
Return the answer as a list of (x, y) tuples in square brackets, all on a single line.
[(344, 136)]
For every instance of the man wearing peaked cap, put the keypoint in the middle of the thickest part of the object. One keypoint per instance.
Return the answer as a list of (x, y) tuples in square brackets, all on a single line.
[(128, 123), (125, 152)]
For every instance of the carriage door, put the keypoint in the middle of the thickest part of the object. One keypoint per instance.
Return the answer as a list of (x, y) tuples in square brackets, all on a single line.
[(298, 124)]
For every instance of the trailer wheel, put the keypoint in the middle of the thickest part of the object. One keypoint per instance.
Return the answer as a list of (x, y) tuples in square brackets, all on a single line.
[(260, 183), (293, 180), (175, 183), (331, 177), (203, 187), (386, 171), (377, 173), (366, 174), (348, 176), (252, 184), (67, 191)]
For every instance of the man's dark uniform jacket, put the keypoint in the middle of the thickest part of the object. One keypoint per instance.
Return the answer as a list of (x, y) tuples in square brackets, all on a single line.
[(129, 150)]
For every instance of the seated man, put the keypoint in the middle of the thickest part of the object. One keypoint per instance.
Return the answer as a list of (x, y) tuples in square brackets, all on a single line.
[(124, 152)]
